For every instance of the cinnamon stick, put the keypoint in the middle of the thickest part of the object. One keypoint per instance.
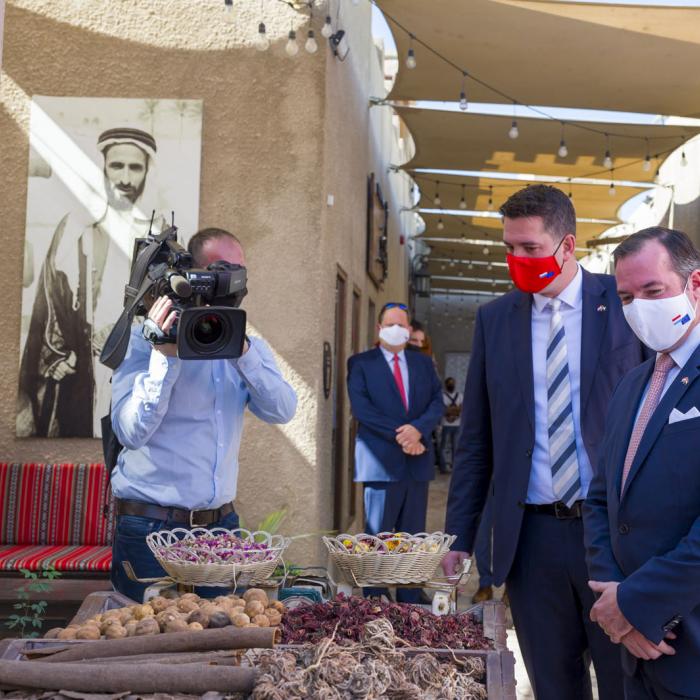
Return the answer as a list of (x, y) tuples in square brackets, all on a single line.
[(172, 642), (119, 678)]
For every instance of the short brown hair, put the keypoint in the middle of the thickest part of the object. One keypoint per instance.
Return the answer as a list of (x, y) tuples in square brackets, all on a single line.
[(549, 203), (685, 258), (197, 242)]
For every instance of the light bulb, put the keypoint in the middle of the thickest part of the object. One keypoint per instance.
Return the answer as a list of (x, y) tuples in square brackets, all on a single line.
[(327, 30), (513, 132), (311, 44), (684, 160), (411, 59), (262, 43), (452, 263), (292, 48), (462, 203), (440, 225), (571, 195), (563, 150), (657, 177), (489, 266), (646, 165), (485, 251), (461, 273), (463, 104), (228, 12), (437, 201), (443, 268), (611, 189), (493, 284), (471, 266), (608, 161)]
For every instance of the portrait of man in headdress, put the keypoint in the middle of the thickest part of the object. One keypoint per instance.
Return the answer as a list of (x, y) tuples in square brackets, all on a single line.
[(63, 388)]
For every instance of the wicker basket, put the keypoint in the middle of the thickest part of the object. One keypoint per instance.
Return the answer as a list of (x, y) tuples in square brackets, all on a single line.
[(212, 568), (388, 558)]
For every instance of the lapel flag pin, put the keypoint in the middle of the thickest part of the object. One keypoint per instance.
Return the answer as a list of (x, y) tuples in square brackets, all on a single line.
[(602, 308), (684, 380)]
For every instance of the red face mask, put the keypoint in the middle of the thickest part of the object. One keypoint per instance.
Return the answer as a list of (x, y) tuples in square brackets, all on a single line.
[(532, 275)]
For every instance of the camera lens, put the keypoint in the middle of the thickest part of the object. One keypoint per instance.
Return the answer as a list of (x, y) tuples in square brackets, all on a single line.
[(208, 329)]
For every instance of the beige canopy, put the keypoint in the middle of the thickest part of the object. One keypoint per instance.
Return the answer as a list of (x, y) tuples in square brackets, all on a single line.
[(630, 58), (463, 141)]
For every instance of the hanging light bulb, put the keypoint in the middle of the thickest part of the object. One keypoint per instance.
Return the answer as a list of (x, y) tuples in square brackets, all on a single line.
[(571, 194), (411, 56), (489, 267), (486, 251), (611, 190), (646, 165), (463, 103), (440, 225), (262, 43), (657, 176), (563, 150), (490, 204), (452, 263), (463, 201), (436, 200), (327, 30), (292, 48), (311, 44), (684, 160), (493, 283), (228, 12), (607, 160), (471, 265), (461, 273), (443, 268), (513, 131)]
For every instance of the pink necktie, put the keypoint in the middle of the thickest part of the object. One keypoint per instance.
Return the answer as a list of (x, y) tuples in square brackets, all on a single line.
[(663, 366), (399, 381)]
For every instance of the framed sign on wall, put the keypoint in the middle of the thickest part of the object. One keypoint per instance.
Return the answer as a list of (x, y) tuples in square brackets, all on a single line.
[(377, 230)]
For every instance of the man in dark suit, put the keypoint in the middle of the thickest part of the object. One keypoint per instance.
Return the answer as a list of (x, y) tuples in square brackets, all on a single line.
[(642, 515), (545, 360), (396, 398)]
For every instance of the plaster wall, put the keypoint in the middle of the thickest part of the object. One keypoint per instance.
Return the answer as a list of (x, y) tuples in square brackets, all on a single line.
[(279, 135)]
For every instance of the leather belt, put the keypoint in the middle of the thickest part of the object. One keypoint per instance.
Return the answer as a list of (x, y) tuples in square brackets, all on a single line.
[(559, 509), (193, 518)]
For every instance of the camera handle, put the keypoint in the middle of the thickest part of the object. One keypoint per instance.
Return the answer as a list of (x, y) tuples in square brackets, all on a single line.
[(117, 343)]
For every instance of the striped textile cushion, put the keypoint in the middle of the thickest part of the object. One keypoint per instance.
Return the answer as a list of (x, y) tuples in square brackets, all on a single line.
[(35, 558), (55, 504)]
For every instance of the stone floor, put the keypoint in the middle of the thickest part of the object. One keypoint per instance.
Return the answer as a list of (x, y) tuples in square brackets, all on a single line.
[(436, 521)]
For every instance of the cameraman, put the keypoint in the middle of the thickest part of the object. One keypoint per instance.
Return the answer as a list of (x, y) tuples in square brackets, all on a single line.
[(180, 423)]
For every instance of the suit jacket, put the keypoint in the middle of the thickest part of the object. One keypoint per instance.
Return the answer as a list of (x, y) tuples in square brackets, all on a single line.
[(497, 433), (379, 409), (650, 538)]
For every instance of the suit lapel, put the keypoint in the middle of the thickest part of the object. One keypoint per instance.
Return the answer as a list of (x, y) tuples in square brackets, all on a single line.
[(520, 321), (413, 381), (660, 416), (594, 322)]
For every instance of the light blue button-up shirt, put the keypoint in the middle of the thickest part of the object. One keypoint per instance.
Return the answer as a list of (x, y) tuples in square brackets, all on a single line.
[(540, 487), (181, 421)]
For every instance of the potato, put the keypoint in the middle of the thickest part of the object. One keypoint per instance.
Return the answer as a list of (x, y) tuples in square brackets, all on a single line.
[(210, 608), (163, 618), (113, 612), (142, 612), (115, 632), (159, 604), (199, 617), (110, 622), (195, 626), (190, 596), (97, 618), (256, 594), (187, 605), (279, 606), (130, 628), (146, 626), (68, 633), (253, 608), (261, 621), (219, 619), (177, 625), (240, 619), (53, 633), (88, 632), (273, 616), (237, 603)]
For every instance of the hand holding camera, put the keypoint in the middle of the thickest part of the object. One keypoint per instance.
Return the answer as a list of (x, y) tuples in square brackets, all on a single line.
[(164, 317)]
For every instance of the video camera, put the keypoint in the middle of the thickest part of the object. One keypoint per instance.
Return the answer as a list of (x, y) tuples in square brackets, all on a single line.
[(210, 325)]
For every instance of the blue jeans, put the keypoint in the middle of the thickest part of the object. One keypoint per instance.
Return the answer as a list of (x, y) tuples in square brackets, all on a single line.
[(449, 434), (129, 544)]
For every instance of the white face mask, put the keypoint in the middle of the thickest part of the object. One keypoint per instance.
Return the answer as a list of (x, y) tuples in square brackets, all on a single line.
[(394, 335), (660, 323)]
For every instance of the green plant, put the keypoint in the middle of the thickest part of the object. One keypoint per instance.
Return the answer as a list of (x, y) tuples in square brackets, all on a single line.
[(30, 612)]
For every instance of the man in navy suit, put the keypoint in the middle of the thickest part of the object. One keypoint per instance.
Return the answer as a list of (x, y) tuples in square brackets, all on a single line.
[(545, 361), (642, 515), (396, 397)]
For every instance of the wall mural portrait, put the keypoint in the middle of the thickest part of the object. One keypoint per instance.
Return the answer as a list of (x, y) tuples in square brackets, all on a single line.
[(99, 170)]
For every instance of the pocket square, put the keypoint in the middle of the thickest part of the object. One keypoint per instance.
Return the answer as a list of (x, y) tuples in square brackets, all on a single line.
[(676, 416)]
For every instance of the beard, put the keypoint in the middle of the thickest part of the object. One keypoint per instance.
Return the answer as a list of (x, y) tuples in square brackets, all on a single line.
[(121, 197)]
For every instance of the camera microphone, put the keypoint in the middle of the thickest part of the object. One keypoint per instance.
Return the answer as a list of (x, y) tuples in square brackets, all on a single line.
[(180, 286)]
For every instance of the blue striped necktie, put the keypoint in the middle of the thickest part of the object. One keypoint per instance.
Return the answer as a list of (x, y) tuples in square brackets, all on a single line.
[(566, 480)]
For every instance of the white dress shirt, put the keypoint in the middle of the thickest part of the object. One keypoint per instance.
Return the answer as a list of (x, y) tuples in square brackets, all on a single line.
[(403, 367), (540, 487)]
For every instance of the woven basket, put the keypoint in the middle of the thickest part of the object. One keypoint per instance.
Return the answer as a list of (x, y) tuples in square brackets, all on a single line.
[(388, 558), (215, 569)]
